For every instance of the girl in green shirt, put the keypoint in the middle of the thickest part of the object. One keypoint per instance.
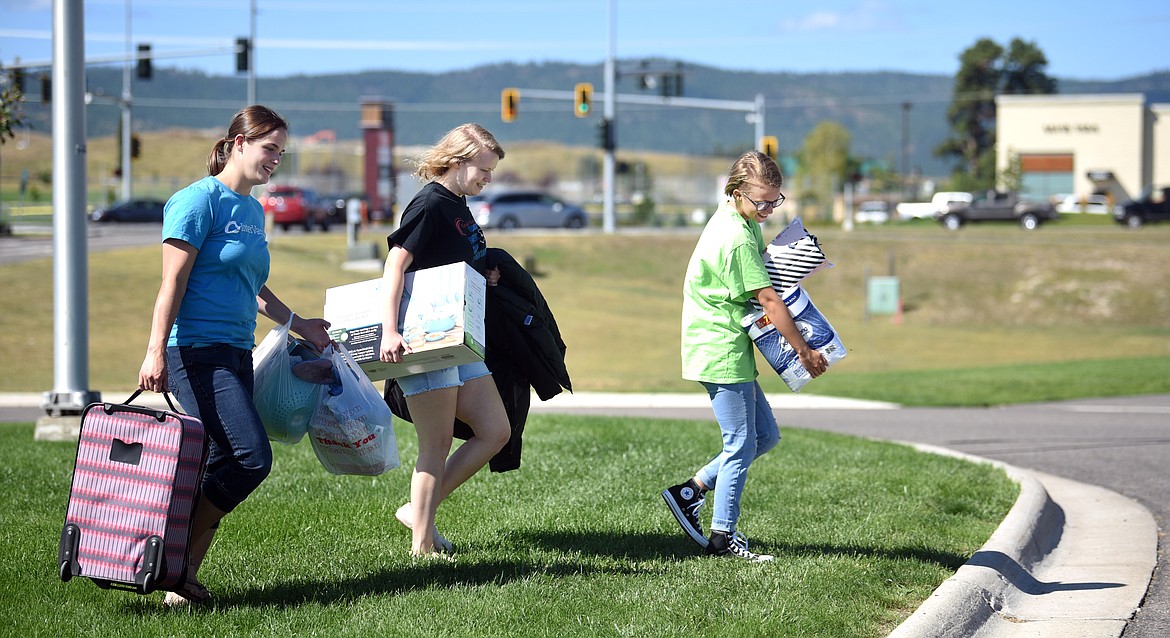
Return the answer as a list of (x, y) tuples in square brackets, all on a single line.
[(725, 271)]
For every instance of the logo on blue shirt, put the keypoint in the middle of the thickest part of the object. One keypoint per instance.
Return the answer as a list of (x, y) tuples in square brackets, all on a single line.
[(233, 227)]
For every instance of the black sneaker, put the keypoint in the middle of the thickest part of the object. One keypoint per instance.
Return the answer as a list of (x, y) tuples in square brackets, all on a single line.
[(684, 502), (733, 545)]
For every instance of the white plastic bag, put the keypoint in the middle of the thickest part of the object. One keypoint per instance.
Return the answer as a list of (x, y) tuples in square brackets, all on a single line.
[(284, 402), (352, 428)]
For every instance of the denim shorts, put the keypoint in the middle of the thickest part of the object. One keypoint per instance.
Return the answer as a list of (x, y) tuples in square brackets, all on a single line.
[(454, 376)]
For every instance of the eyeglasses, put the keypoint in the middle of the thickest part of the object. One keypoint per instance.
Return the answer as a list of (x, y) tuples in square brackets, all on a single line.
[(763, 206)]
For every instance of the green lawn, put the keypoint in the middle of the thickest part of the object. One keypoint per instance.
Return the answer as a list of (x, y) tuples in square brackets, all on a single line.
[(575, 543)]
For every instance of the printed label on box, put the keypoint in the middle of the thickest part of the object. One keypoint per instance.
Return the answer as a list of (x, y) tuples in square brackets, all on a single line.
[(440, 316), (816, 330)]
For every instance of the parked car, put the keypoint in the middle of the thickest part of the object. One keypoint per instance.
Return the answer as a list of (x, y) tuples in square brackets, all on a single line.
[(1153, 205), (139, 209), (873, 212), (1096, 204), (525, 209), (998, 206), (295, 206)]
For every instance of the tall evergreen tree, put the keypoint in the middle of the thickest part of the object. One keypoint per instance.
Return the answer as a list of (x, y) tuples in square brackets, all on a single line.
[(1023, 70), (987, 70)]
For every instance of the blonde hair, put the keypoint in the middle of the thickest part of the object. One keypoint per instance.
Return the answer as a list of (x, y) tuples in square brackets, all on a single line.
[(253, 122), (460, 144), (756, 168)]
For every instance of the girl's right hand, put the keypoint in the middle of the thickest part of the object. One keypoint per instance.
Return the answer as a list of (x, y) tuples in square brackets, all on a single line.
[(393, 348), (814, 362)]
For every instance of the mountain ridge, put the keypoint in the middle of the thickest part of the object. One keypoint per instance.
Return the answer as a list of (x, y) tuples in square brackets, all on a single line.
[(868, 104)]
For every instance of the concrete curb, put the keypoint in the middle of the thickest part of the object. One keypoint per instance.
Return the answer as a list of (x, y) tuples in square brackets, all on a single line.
[(966, 601), (1028, 579)]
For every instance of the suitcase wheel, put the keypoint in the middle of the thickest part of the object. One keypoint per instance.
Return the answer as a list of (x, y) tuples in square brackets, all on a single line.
[(67, 551)]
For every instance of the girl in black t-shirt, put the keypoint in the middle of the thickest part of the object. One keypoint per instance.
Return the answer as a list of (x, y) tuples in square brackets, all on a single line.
[(438, 229)]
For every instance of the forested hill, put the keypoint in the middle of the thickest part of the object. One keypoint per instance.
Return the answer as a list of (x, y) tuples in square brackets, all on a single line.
[(870, 105)]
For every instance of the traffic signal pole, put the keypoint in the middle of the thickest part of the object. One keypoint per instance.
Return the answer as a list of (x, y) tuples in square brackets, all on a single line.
[(127, 118), (609, 112)]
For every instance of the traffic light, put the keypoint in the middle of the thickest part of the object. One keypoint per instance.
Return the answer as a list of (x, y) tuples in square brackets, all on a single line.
[(135, 146), (605, 135), (509, 104), (145, 69), (582, 99), (770, 146), (243, 55)]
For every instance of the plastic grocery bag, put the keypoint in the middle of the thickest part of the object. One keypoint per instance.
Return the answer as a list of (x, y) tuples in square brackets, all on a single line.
[(284, 402), (352, 428), (818, 333)]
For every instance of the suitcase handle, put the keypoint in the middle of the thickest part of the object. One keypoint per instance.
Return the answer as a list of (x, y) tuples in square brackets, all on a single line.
[(159, 415)]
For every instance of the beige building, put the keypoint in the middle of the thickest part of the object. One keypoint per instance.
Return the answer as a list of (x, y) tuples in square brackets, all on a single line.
[(1112, 144)]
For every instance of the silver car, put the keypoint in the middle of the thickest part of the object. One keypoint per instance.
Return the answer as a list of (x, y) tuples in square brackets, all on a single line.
[(510, 209)]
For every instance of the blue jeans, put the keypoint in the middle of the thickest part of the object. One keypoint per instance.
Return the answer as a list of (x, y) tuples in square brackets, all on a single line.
[(749, 431), (214, 384)]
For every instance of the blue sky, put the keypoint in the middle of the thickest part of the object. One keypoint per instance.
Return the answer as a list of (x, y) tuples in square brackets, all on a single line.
[(1082, 39)]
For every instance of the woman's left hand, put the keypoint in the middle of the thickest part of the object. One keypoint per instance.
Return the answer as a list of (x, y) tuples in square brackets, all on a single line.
[(314, 330)]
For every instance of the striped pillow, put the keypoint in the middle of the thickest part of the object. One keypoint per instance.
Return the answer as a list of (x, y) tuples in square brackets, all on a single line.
[(793, 255)]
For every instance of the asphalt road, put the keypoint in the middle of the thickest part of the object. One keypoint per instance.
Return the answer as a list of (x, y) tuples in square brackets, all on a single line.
[(1122, 444), (35, 242)]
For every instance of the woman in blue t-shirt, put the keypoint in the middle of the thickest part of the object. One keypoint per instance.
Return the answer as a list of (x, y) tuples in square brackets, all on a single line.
[(214, 267), (438, 229)]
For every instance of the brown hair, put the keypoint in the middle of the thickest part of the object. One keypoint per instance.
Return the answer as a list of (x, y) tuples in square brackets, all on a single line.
[(252, 122), (460, 144), (754, 167)]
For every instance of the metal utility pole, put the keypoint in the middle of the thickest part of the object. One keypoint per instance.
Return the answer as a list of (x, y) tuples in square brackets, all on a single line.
[(905, 149), (609, 113), (70, 393), (127, 119), (252, 56), (757, 118)]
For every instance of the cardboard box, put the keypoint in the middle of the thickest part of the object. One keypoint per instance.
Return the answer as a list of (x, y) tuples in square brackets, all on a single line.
[(818, 333), (441, 317)]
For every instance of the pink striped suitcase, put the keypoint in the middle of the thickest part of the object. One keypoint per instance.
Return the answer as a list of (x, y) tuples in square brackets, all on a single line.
[(135, 484)]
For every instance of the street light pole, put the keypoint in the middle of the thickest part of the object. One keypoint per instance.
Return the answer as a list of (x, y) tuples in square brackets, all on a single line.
[(70, 393)]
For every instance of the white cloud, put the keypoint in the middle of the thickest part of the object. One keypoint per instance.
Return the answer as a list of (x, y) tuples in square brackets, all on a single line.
[(863, 16)]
